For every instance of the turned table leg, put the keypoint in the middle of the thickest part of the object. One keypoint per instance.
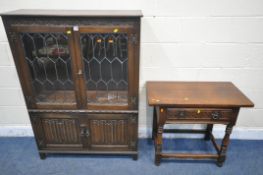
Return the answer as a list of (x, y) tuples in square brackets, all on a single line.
[(209, 129), (222, 154), (158, 145), (154, 125)]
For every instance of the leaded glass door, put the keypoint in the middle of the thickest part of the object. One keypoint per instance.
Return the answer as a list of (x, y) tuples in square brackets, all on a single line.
[(107, 55), (47, 63)]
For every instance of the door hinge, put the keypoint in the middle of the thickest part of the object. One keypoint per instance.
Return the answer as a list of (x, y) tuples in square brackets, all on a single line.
[(84, 132), (12, 35), (29, 99), (133, 100), (132, 119), (133, 39), (133, 144)]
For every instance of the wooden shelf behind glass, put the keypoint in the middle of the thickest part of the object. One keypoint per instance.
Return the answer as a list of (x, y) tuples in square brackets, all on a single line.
[(109, 98)]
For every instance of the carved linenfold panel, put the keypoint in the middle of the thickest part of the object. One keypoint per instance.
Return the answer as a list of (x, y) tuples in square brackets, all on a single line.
[(37, 126), (12, 35), (109, 132), (60, 131)]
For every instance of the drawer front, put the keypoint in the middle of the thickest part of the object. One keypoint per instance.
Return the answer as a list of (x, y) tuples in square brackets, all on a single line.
[(200, 114)]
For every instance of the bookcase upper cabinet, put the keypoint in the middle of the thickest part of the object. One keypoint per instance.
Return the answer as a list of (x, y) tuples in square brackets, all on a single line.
[(79, 71)]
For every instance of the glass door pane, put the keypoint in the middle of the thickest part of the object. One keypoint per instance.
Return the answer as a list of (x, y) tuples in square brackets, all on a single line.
[(49, 62), (105, 57)]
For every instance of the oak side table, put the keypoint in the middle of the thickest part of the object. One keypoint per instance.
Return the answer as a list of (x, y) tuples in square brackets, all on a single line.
[(194, 103)]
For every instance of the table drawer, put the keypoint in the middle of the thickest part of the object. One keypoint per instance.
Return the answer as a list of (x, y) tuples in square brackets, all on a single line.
[(201, 114)]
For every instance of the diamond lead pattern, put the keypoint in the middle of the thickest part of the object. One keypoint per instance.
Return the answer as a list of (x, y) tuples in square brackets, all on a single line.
[(48, 58), (105, 58)]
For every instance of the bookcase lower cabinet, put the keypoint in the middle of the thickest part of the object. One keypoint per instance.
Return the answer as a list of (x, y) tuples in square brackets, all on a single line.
[(85, 133), (103, 133)]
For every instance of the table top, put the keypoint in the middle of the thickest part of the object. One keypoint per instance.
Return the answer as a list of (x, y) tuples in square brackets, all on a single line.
[(196, 94)]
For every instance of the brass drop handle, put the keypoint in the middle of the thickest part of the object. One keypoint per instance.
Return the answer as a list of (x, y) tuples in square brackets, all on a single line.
[(216, 115), (87, 132), (181, 113), (84, 132), (60, 123)]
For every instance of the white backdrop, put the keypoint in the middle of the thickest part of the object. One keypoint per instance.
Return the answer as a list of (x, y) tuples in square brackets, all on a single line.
[(209, 40)]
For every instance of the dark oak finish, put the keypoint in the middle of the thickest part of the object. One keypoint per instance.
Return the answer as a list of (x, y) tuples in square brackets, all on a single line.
[(194, 103), (196, 94), (73, 107), (77, 13)]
